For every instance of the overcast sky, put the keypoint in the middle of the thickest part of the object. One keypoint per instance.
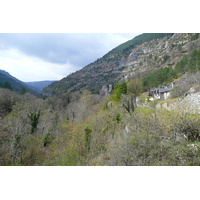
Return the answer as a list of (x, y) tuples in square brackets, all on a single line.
[(52, 56)]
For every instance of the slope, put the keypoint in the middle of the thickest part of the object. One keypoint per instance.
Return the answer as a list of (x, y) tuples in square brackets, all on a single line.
[(16, 84), (138, 57), (40, 85)]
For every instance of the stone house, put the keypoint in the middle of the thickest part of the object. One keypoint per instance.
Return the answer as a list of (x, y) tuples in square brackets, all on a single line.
[(160, 93)]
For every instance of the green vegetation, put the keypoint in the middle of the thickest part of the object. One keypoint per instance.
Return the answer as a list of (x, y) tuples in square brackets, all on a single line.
[(195, 36), (9, 82), (159, 77), (88, 132), (78, 129), (189, 63), (145, 37), (119, 89), (6, 85), (22, 91), (134, 87), (34, 119)]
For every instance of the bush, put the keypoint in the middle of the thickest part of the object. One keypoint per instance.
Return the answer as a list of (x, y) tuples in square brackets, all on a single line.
[(188, 127)]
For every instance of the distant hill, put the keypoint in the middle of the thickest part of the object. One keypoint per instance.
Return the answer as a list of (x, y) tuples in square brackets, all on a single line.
[(139, 57), (40, 85), (15, 84)]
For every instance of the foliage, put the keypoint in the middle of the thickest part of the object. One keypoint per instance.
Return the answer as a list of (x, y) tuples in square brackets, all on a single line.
[(34, 119), (119, 89), (7, 100), (9, 82), (195, 36), (88, 131), (145, 37), (189, 63), (159, 77), (22, 91), (134, 87), (74, 129), (117, 118), (80, 128), (6, 85)]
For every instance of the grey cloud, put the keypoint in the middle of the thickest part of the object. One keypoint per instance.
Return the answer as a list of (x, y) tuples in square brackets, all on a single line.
[(75, 48)]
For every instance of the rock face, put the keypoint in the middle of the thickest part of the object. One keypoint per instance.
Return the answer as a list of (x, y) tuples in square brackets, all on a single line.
[(144, 54), (194, 101), (189, 104), (106, 89)]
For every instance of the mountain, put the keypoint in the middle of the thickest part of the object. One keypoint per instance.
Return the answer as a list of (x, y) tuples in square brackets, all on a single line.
[(40, 85), (138, 57), (15, 84)]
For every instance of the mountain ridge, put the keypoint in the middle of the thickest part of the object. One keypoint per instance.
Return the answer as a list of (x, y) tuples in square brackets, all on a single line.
[(135, 58), (40, 85), (16, 84)]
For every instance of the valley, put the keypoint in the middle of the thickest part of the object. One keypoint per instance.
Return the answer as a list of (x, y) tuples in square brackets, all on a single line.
[(138, 105)]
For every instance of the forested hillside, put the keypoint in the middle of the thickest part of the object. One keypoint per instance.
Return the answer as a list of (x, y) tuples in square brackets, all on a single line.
[(10, 82)]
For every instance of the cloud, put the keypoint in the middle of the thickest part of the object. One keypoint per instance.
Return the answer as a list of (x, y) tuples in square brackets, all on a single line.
[(27, 68), (54, 53)]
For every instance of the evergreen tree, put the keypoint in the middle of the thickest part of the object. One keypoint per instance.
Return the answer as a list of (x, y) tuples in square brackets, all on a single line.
[(7, 85), (22, 91)]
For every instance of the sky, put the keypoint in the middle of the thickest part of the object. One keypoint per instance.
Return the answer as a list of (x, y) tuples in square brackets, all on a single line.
[(52, 56)]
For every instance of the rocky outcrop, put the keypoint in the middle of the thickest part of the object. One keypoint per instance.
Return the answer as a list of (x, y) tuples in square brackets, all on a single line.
[(189, 104), (106, 89)]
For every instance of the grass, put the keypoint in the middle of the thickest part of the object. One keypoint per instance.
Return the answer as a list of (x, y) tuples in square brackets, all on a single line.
[(167, 100)]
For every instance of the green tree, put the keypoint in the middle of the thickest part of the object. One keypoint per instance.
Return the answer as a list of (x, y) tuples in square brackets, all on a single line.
[(88, 131), (7, 85), (34, 120), (134, 87), (119, 89), (158, 77), (22, 91)]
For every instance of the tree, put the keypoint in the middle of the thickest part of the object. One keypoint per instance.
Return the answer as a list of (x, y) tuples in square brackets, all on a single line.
[(7, 100), (22, 91), (7, 85), (134, 87), (119, 90), (88, 131), (34, 120)]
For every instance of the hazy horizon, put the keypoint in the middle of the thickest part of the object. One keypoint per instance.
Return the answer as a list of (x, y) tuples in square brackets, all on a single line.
[(52, 56)]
